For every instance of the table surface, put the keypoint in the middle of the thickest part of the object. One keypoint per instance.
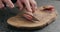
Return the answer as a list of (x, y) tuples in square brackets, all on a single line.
[(53, 27)]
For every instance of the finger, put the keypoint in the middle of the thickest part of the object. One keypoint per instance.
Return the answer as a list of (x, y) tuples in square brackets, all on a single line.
[(1, 4), (28, 15), (33, 5), (9, 3), (28, 12), (26, 2), (19, 4)]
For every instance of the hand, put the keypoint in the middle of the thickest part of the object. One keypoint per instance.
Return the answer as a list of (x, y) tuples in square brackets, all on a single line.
[(7, 2), (30, 5)]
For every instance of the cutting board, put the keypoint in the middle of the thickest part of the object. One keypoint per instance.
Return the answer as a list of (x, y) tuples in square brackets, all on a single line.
[(44, 17)]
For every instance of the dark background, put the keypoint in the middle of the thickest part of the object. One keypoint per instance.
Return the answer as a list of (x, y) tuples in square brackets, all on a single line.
[(53, 27)]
